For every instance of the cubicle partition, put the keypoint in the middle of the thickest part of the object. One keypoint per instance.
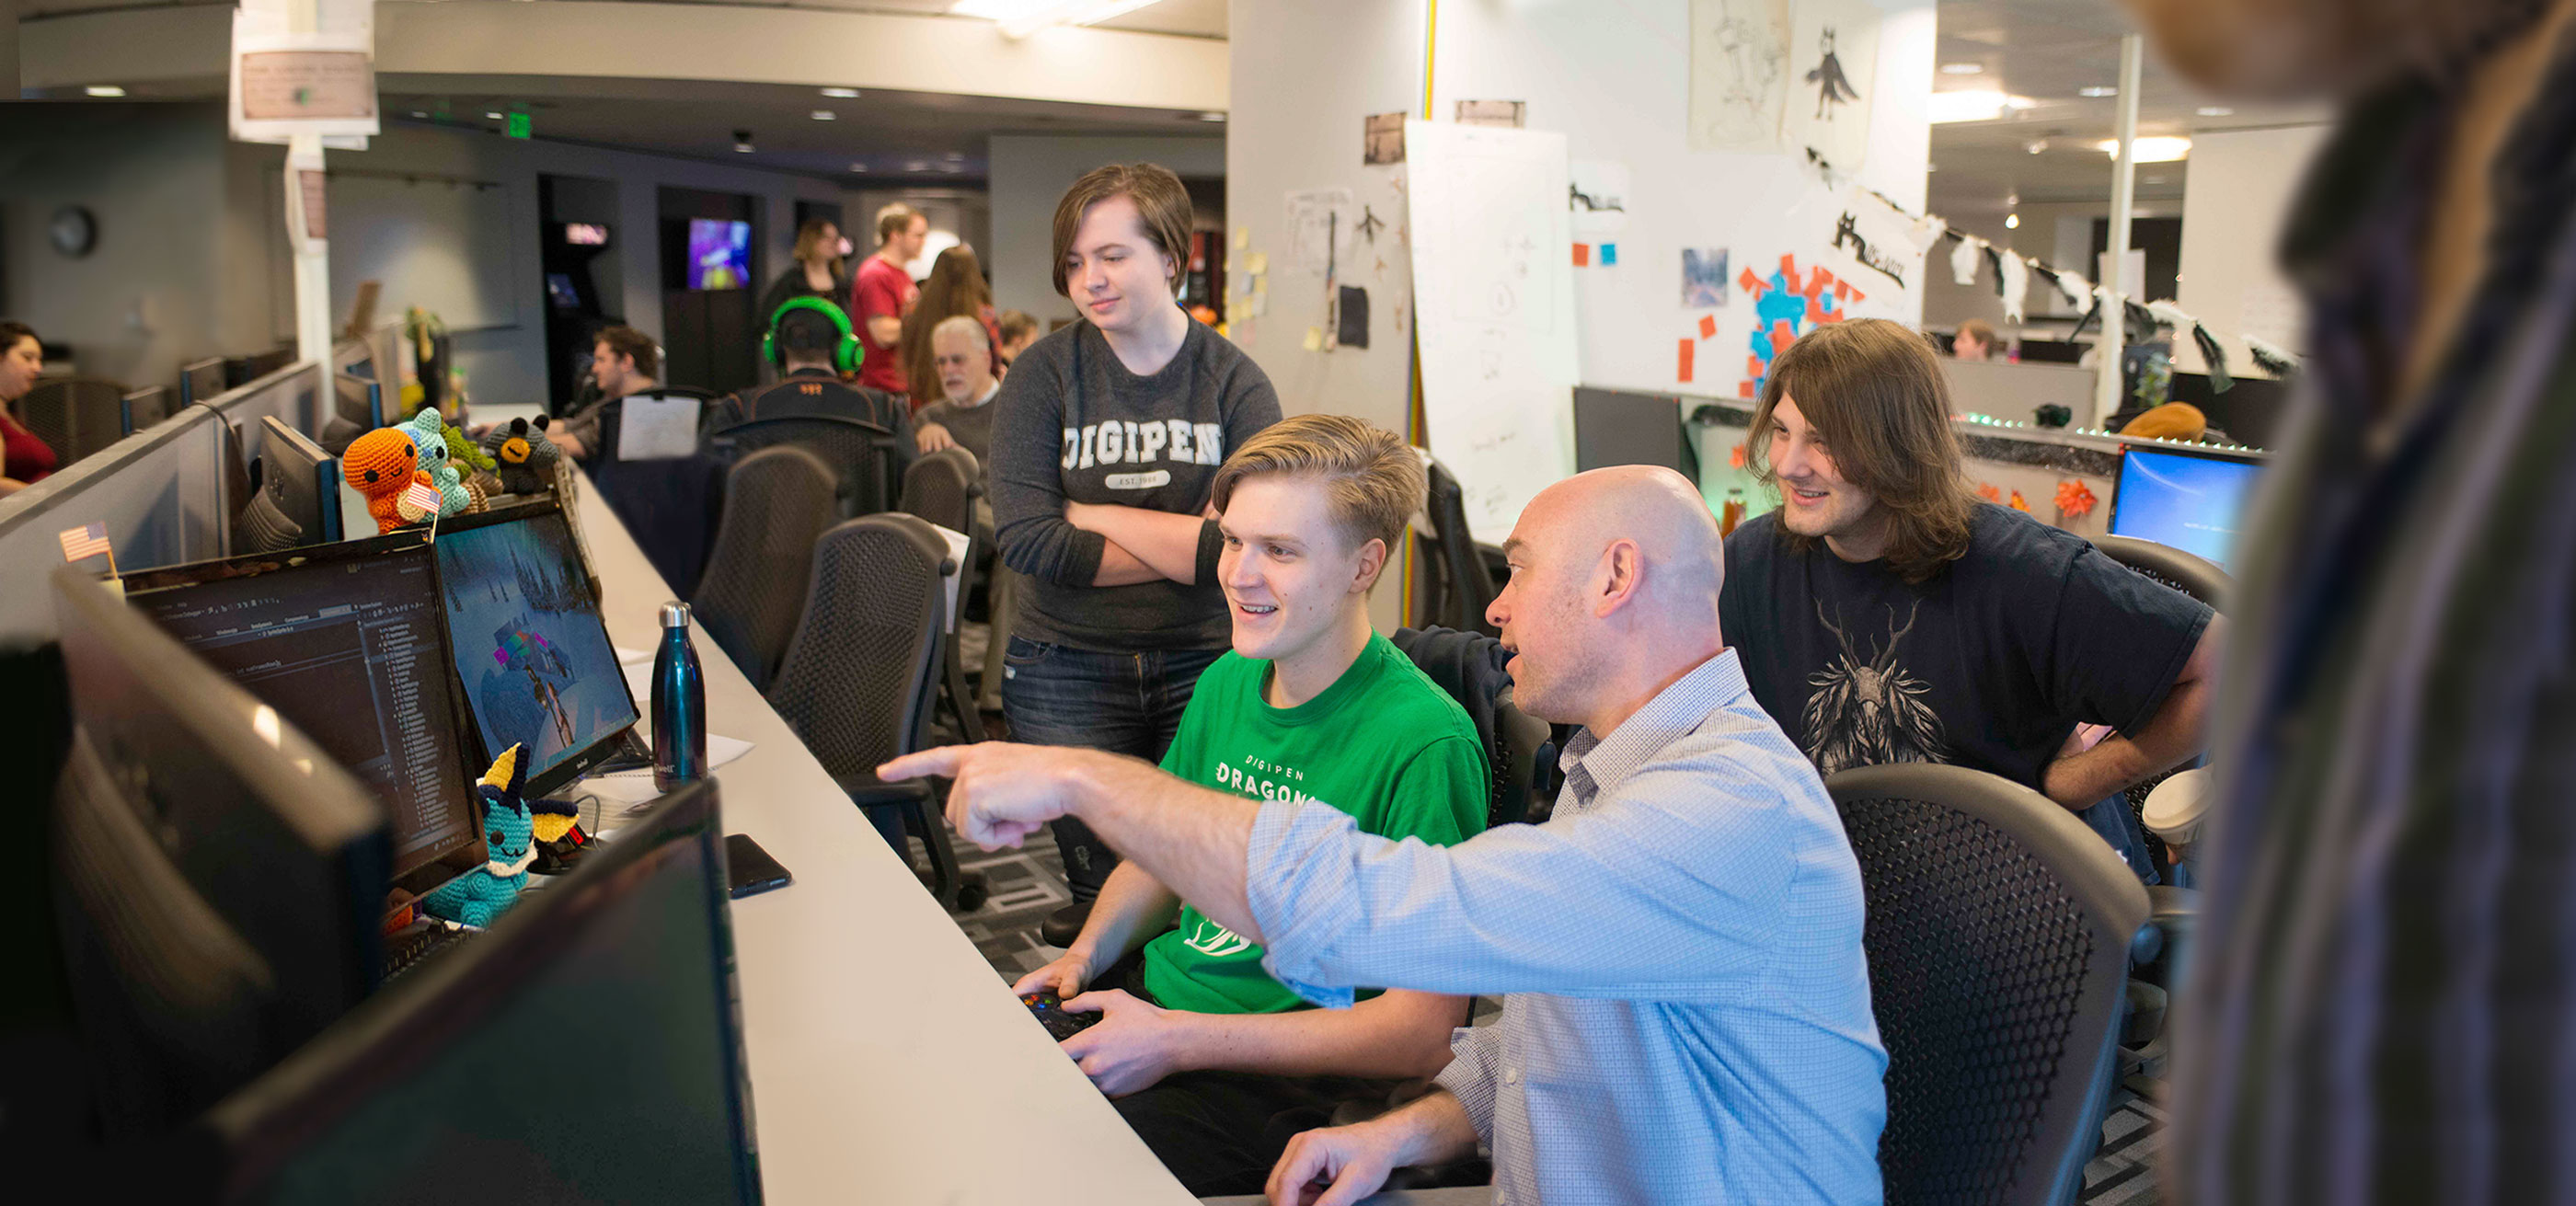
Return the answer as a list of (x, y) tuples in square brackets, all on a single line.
[(297, 394), (158, 492)]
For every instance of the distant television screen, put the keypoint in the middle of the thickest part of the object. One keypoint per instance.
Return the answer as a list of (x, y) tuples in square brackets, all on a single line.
[(719, 254), (2193, 503), (584, 234)]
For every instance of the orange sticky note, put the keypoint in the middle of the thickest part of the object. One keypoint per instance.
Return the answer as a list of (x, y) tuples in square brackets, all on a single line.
[(1582, 254), (1707, 326), (1683, 372)]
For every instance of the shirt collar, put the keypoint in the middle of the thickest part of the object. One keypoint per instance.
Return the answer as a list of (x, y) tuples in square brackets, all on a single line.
[(989, 391), (811, 371), (1673, 712)]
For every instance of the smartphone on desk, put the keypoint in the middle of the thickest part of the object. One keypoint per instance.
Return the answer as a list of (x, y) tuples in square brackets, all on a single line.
[(749, 871)]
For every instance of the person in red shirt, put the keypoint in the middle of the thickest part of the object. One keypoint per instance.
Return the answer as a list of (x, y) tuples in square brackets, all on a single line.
[(22, 360), (883, 293)]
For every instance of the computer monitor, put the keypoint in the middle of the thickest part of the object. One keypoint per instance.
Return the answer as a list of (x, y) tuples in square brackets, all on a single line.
[(219, 878), (530, 648), (1615, 427), (201, 381), (347, 642), (2191, 501), (357, 407), (585, 1049), (145, 407), (355, 357), (296, 498)]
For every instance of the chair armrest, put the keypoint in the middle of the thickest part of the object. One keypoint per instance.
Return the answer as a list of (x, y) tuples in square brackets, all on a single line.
[(866, 790), (2169, 906)]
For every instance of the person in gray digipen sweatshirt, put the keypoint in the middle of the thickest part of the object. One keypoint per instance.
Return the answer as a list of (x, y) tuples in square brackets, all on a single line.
[(1106, 439)]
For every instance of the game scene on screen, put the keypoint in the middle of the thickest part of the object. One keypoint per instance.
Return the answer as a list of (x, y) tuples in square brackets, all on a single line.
[(536, 665)]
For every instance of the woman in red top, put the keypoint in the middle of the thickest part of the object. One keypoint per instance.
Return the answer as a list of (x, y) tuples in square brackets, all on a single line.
[(22, 360)]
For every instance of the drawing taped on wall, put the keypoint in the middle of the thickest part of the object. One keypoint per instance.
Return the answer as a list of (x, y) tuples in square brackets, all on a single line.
[(1739, 74)]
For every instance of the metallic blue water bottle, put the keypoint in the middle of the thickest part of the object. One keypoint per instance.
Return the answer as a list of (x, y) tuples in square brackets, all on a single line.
[(679, 705)]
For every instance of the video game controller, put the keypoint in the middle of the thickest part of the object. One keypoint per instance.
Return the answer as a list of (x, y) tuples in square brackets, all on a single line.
[(1049, 1010)]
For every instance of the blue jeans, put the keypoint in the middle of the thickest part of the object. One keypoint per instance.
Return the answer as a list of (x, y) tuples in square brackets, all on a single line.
[(1126, 703), (2111, 818)]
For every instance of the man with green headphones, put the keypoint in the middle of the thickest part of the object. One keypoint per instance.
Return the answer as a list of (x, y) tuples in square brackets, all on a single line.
[(810, 340)]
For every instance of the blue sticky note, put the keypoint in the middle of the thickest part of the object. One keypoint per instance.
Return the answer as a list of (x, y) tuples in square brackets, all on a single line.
[(1609, 254)]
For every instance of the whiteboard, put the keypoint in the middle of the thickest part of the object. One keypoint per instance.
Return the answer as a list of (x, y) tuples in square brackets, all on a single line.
[(1494, 297), (440, 246)]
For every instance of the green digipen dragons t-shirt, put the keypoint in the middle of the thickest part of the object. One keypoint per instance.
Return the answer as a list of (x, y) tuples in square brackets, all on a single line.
[(1384, 743)]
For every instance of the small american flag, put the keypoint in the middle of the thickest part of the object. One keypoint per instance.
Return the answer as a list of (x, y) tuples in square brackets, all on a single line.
[(423, 497), (79, 543)]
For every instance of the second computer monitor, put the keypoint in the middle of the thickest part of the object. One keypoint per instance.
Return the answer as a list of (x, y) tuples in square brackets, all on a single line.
[(346, 641), (530, 647), (2190, 502)]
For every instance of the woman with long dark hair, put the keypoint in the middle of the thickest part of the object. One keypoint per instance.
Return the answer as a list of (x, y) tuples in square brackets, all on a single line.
[(956, 286)]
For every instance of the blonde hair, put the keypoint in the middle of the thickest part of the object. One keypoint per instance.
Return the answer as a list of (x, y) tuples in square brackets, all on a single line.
[(810, 246), (893, 220), (1376, 483)]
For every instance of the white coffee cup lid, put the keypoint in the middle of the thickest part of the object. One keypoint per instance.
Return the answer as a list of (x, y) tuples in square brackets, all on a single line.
[(2174, 808)]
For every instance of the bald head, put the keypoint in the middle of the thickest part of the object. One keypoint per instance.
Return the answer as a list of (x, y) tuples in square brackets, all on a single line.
[(1654, 508), (1615, 576)]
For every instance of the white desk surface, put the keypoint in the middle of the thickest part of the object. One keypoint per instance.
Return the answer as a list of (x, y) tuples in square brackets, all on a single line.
[(890, 1063)]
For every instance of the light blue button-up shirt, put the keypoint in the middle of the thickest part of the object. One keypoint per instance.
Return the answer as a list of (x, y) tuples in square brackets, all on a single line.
[(1687, 1017)]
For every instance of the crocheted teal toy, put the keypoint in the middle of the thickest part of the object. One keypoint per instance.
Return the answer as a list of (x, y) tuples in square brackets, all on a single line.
[(509, 840), (429, 436)]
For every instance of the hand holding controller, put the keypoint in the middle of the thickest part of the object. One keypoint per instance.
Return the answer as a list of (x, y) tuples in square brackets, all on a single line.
[(1049, 1010)]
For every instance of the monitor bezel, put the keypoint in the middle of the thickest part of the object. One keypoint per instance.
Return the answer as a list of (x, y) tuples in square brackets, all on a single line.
[(442, 863), (580, 761)]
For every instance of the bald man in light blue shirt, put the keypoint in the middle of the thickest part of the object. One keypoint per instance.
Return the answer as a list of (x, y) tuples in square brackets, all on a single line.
[(1686, 1007)]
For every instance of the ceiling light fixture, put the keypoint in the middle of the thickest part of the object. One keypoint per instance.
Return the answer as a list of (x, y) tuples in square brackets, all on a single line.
[(420, 113), (1974, 105), (1020, 18), (858, 167), (916, 165), (493, 115), (2098, 90), (825, 115), (742, 141), (104, 91), (1211, 115), (1963, 69), (842, 93), (2216, 111), (2012, 221), (2155, 148), (2035, 146)]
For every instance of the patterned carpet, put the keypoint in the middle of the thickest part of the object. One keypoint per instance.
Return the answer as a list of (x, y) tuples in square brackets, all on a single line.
[(1028, 884)]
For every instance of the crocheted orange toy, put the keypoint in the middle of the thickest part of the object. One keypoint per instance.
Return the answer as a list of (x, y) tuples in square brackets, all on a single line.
[(379, 465)]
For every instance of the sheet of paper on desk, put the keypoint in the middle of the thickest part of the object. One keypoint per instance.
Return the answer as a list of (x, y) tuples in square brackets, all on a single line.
[(629, 657)]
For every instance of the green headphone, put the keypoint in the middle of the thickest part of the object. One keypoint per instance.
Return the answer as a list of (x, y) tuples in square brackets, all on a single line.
[(847, 352)]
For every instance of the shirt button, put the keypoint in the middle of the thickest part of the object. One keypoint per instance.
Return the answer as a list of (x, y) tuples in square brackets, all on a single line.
[(1511, 1076)]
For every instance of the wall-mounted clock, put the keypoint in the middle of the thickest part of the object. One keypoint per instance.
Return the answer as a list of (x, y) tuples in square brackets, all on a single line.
[(73, 231)]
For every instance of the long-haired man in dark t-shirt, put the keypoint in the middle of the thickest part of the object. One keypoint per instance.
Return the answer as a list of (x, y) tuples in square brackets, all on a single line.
[(1888, 616)]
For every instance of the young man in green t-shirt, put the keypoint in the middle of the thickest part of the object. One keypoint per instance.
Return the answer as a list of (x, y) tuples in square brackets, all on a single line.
[(1214, 1063)]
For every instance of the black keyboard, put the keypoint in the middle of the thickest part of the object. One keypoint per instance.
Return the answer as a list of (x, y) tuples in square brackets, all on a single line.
[(419, 943)]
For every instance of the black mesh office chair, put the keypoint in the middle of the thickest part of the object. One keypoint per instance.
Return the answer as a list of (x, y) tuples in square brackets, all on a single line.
[(1520, 748), (1999, 934), (859, 680), (1457, 573), (942, 487), (777, 503), (861, 454), (75, 416)]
